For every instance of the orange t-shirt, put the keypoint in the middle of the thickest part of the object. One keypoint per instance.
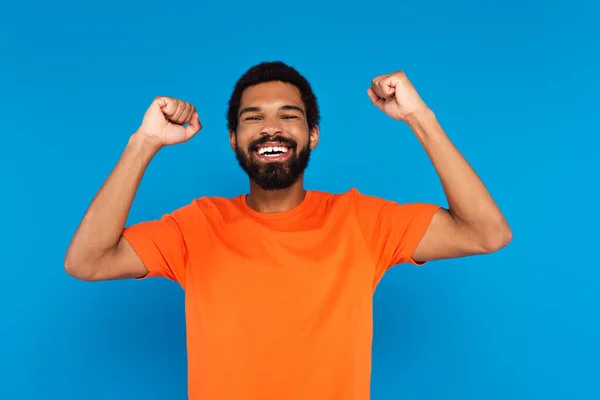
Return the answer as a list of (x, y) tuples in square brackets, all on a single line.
[(279, 306)]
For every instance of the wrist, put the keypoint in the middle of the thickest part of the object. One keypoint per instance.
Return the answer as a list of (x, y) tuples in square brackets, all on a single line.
[(143, 145), (425, 126), (420, 117)]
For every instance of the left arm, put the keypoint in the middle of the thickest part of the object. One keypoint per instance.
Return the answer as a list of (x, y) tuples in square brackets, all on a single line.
[(473, 223)]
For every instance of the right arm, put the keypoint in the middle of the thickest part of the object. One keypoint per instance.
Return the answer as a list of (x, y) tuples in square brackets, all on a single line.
[(98, 251)]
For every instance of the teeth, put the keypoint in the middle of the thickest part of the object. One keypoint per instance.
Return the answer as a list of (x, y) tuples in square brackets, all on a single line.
[(279, 149)]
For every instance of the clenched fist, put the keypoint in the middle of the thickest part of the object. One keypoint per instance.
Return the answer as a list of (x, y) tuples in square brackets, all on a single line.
[(164, 122), (395, 95)]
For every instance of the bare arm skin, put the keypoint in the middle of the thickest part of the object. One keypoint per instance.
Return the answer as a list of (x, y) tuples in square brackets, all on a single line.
[(473, 223), (97, 250)]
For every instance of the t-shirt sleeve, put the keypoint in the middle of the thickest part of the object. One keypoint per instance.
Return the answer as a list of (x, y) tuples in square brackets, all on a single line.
[(161, 244), (392, 231)]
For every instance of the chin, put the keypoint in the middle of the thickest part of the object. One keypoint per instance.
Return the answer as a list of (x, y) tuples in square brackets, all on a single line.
[(278, 177), (274, 172)]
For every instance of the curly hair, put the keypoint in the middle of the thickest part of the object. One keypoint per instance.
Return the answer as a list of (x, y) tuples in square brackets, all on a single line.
[(268, 72)]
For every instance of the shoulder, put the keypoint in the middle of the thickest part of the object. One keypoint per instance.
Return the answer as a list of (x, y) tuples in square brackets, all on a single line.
[(208, 203), (355, 198), (368, 205), (205, 207), (351, 201), (213, 205), (354, 194), (347, 195)]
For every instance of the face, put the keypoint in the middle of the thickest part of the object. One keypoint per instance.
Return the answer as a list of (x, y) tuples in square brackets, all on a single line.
[(273, 141)]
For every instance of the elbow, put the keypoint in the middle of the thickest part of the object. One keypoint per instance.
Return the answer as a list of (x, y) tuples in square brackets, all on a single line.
[(497, 239), (78, 270)]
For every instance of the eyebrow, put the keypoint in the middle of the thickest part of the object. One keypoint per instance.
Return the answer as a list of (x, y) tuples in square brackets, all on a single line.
[(256, 109)]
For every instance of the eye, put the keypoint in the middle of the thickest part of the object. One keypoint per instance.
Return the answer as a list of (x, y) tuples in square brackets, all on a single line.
[(252, 118), (289, 116)]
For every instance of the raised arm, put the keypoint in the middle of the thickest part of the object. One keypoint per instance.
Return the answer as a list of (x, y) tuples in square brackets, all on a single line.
[(472, 224), (98, 250)]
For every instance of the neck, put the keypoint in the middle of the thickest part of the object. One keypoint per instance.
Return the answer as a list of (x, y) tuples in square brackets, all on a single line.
[(272, 201)]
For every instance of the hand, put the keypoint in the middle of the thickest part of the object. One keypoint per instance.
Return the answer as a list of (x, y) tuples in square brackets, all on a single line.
[(395, 95), (163, 122)]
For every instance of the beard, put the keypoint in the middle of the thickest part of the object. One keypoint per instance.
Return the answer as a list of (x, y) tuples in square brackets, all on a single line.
[(274, 175)]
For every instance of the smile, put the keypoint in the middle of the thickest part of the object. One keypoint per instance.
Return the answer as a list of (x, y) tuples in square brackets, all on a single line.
[(271, 152)]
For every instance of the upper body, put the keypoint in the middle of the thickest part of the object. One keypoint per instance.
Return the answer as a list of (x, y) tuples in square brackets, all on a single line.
[(278, 305), (279, 281)]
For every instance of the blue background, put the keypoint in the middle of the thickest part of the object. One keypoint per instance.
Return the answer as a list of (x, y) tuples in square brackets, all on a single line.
[(514, 83)]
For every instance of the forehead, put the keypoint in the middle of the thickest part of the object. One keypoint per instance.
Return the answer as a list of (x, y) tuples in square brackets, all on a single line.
[(271, 93)]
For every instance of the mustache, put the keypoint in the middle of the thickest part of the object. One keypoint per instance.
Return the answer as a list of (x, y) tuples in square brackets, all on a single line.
[(272, 139)]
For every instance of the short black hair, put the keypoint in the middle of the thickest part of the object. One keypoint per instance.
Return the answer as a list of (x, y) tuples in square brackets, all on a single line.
[(269, 72)]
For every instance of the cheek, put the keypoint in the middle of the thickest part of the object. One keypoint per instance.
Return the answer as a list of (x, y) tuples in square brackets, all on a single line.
[(239, 140), (243, 144), (244, 136)]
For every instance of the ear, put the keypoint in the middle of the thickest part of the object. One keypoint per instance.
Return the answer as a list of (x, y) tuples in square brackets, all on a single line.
[(232, 140), (314, 137)]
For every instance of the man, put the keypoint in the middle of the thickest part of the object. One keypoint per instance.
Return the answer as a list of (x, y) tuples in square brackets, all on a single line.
[(279, 281)]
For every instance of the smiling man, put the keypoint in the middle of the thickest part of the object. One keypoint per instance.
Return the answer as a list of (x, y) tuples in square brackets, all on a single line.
[(271, 160), (279, 281)]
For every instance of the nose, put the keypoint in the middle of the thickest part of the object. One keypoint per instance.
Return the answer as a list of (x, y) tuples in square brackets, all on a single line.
[(271, 127)]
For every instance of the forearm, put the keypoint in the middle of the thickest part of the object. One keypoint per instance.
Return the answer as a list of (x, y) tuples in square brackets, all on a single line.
[(469, 201), (103, 223)]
